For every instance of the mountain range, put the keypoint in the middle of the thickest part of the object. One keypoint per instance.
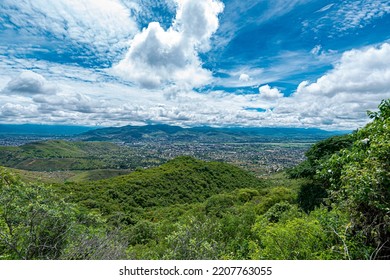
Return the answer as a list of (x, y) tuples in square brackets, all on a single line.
[(204, 134)]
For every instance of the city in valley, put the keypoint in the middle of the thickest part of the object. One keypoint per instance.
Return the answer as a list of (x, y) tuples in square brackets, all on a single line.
[(145, 147)]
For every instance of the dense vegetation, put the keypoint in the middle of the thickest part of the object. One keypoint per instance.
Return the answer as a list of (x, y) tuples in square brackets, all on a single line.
[(352, 173), (335, 205), (180, 181)]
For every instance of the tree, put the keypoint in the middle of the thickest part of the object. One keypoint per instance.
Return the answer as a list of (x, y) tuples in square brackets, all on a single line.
[(358, 181), (34, 222)]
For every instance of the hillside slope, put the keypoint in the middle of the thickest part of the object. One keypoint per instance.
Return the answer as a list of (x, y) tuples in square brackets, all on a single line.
[(182, 180), (60, 155)]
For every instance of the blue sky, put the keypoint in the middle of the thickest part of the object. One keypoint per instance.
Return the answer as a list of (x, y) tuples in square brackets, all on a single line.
[(285, 63)]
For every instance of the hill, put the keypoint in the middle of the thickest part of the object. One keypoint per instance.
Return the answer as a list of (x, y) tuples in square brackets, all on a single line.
[(179, 181), (60, 155)]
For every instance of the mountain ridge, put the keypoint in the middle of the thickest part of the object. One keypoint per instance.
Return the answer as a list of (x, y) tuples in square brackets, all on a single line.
[(202, 133)]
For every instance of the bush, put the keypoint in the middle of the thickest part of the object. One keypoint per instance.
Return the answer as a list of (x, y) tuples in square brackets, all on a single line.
[(220, 204), (358, 181), (274, 196), (34, 222), (311, 195)]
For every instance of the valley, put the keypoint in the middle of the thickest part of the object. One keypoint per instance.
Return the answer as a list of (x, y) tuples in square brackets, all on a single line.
[(164, 193), (107, 152)]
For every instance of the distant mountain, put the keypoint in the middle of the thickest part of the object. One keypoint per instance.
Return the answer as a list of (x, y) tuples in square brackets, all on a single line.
[(204, 134), (42, 130)]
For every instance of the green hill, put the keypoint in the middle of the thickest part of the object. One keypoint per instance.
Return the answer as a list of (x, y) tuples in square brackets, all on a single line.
[(67, 176), (182, 180), (60, 155)]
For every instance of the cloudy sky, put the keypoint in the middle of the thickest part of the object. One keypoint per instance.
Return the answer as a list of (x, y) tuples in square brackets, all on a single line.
[(285, 63)]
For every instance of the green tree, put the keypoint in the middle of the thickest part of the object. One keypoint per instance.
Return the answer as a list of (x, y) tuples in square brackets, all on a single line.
[(298, 238), (34, 222), (319, 152), (358, 181), (194, 239)]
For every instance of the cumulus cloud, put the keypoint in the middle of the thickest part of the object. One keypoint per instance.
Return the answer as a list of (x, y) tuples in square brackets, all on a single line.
[(30, 97), (29, 83), (359, 71), (337, 100), (157, 57), (268, 93), (341, 97), (74, 102), (18, 113)]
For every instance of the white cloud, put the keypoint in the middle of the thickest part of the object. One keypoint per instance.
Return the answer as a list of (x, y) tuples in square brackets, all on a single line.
[(29, 83), (359, 71), (325, 8), (18, 113), (356, 14), (340, 98), (158, 57), (103, 26), (337, 100), (244, 78), (348, 15), (268, 93), (316, 50), (197, 20)]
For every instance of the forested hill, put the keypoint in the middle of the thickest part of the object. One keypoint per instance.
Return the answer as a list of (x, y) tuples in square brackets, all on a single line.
[(55, 155), (182, 180)]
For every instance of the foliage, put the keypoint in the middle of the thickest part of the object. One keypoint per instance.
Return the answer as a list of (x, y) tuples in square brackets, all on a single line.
[(296, 239), (142, 232), (311, 195), (182, 180), (34, 223), (358, 180), (273, 196), (194, 239), (319, 152), (284, 232), (219, 204), (95, 243)]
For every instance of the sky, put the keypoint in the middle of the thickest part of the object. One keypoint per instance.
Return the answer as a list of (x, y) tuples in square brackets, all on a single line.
[(254, 63)]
